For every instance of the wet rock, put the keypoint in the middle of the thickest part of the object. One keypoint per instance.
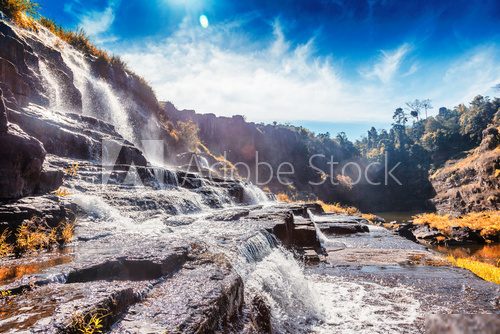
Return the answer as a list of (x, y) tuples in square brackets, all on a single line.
[(462, 323), (261, 315), (3, 115), (462, 235), (425, 233), (21, 163), (204, 297), (49, 208), (56, 308), (406, 231), (342, 228)]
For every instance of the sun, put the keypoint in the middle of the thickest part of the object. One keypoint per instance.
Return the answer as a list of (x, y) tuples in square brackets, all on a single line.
[(204, 21)]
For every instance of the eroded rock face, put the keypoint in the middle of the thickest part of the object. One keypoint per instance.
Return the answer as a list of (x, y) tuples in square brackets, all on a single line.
[(21, 163), (471, 184)]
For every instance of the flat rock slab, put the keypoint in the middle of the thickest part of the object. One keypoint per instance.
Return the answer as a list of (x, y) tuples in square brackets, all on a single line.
[(205, 295), (53, 307)]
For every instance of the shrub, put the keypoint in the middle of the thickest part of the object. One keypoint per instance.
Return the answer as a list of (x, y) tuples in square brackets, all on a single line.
[(282, 197), (21, 12), (5, 247), (33, 235), (90, 323)]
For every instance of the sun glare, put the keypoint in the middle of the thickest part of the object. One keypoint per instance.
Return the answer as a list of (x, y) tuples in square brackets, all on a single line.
[(204, 21)]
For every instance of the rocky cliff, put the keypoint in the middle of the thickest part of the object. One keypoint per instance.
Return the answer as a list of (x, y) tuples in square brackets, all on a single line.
[(471, 183)]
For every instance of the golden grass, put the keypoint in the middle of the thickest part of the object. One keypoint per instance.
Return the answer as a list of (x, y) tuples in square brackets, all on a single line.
[(5, 247), (33, 236), (62, 192), (72, 170), (21, 12), (282, 197), (488, 222), (91, 323), (369, 216), (66, 232), (338, 208), (486, 271)]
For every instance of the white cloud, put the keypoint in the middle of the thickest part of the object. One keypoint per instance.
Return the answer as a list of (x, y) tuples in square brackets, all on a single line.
[(388, 64), (217, 70), (95, 23)]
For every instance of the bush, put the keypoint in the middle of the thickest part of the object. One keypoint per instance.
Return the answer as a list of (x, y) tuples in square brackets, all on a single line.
[(21, 12)]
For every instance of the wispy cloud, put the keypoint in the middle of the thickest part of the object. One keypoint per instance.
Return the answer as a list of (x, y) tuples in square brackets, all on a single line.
[(218, 70), (388, 64), (96, 23)]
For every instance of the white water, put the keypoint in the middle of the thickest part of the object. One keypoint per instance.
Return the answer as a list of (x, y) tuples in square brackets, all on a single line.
[(254, 195), (98, 98), (53, 88)]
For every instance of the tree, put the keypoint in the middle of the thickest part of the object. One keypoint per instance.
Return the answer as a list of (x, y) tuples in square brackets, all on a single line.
[(414, 108), (399, 117), (426, 104)]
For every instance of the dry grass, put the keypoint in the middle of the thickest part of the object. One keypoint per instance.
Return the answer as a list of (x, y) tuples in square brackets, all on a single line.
[(62, 192), (24, 13), (78, 39), (488, 222), (338, 208), (91, 323), (282, 197), (486, 271), (369, 216), (33, 235), (72, 170), (66, 232), (21, 12), (5, 247)]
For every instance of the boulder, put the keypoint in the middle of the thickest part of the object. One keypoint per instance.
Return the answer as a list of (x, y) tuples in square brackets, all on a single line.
[(461, 235), (21, 163)]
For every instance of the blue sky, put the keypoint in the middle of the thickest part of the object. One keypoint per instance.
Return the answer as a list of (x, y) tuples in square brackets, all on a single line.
[(326, 64)]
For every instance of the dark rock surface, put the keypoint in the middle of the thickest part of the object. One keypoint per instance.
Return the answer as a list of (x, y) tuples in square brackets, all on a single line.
[(21, 163)]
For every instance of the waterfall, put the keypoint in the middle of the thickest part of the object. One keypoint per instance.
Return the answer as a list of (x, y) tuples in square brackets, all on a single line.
[(98, 98), (253, 194), (53, 88), (325, 242)]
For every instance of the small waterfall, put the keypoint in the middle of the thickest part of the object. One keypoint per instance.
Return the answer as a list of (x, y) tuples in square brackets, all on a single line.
[(253, 194), (258, 246), (53, 87), (325, 242), (98, 98)]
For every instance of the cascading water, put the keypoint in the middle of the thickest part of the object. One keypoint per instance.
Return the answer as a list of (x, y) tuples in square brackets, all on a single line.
[(53, 88), (254, 195), (98, 98)]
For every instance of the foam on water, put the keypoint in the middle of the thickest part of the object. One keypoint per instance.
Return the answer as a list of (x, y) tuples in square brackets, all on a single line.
[(254, 195)]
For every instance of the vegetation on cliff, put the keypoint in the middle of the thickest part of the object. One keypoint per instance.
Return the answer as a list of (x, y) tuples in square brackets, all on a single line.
[(486, 222)]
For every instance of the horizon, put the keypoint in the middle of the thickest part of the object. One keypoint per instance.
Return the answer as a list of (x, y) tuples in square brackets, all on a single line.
[(346, 64)]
